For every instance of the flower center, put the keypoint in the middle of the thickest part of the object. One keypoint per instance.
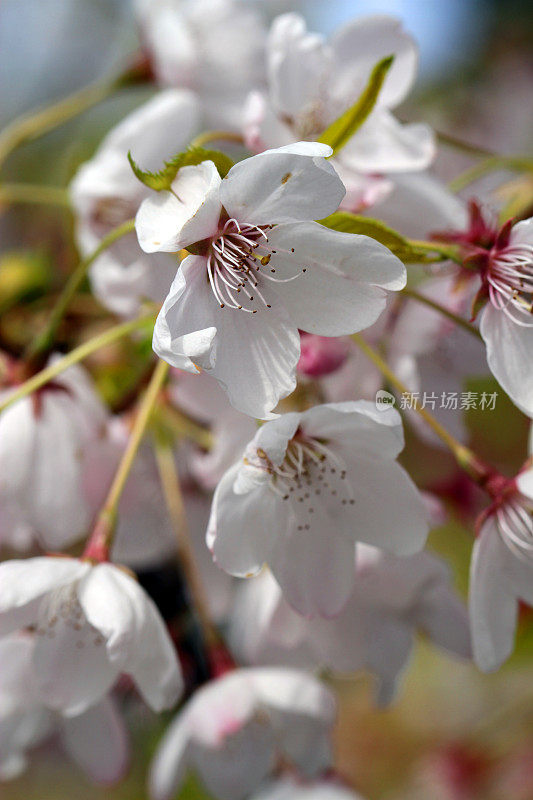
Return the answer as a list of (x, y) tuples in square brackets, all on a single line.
[(514, 519), (238, 261), (310, 474), (510, 282), (61, 608)]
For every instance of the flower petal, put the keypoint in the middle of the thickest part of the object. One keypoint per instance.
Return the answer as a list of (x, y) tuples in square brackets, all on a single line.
[(168, 768)]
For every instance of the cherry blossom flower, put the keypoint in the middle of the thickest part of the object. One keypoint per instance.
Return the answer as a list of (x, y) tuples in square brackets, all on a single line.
[(314, 484), (392, 598), (321, 355), (235, 729), (92, 624), (503, 259), (312, 82), (105, 193), (501, 570), (263, 269), (96, 740), (213, 47), (290, 788), (42, 441)]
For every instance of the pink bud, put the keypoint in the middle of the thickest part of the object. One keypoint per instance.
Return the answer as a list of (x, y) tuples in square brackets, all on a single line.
[(321, 355)]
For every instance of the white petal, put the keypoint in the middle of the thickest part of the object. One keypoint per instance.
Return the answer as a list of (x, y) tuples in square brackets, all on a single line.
[(97, 740), (383, 144), (510, 356), (169, 221), (23, 584), (273, 439), (364, 41), (168, 768), (342, 289), (290, 184), (445, 619), (524, 481), (493, 608)]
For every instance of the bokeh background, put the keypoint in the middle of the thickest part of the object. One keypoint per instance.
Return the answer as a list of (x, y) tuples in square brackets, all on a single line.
[(453, 734)]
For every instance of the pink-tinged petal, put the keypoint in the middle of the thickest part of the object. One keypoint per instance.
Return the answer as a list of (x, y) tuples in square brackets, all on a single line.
[(510, 356), (242, 527), (290, 184), (169, 221), (98, 742), (321, 355), (343, 287), (383, 144), (493, 605), (262, 129), (23, 584), (361, 43), (167, 770)]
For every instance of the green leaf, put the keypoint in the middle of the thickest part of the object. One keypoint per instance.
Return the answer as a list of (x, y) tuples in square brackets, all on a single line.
[(344, 127), (162, 180)]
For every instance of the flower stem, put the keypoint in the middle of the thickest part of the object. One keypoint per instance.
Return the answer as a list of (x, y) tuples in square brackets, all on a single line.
[(36, 123), (44, 342), (464, 147), (29, 193), (432, 247), (466, 459), (78, 354), (216, 136), (174, 499), (463, 323), (514, 163), (101, 538), (182, 426)]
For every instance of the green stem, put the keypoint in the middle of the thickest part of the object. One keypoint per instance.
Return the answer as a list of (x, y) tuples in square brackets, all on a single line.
[(514, 163), (28, 193), (464, 147), (465, 458), (36, 123), (78, 354), (101, 538), (463, 323), (44, 342), (216, 136)]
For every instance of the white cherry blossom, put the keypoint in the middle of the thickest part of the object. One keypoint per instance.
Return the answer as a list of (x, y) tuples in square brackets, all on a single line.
[(235, 729), (93, 623), (291, 788), (263, 268), (42, 441), (105, 193), (313, 81), (309, 486), (392, 599)]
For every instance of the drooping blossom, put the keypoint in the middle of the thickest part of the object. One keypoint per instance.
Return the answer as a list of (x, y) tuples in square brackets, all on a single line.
[(313, 81), (234, 730), (502, 258), (392, 599), (43, 438), (105, 193), (290, 787), (501, 570), (96, 740), (92, 624), (316, 483), (263, 268), (213, 47)]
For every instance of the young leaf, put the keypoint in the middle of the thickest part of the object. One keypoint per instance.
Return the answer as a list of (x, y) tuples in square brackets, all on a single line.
[(343, 128), (162, 180)]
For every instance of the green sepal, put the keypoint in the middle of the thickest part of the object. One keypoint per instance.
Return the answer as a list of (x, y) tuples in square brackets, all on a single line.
[(162, 180), (343, 128)]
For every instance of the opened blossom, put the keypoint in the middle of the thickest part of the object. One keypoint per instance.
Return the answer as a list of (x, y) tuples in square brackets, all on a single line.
[(237, 730), (501, 570), (392, 599), (313, 81), (314, 484), (92, 624), (262, 269), (290, 788)]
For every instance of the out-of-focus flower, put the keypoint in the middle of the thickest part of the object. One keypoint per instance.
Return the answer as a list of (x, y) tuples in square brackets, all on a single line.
[(392, 599), (92, 623), (321, 355), (214, 47), (312, 82), (290, 788), (42, 441), (96, 740), (501, 570), (314, 484), (105, 193), (263, 269), (234, 730)]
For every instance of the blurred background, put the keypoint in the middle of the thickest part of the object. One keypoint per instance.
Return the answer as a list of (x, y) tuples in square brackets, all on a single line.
[(453, 734)]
